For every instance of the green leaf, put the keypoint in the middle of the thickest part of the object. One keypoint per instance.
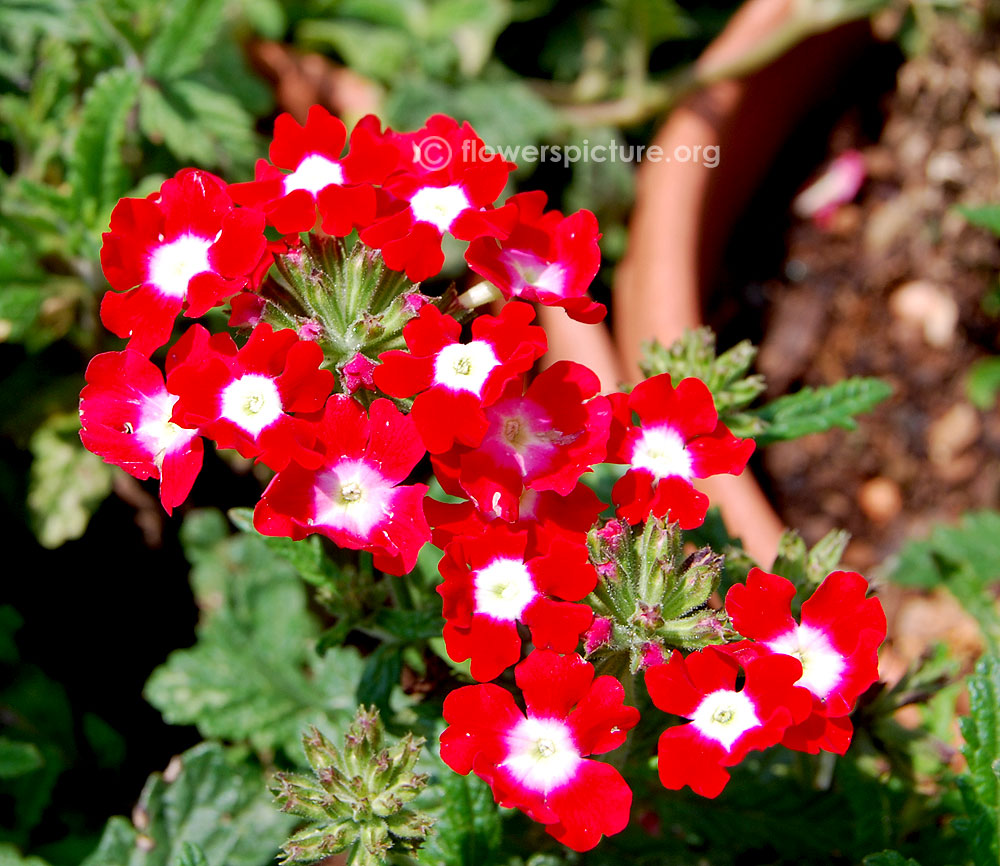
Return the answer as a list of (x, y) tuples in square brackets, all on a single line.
[(191, 855), (467, 830), (305, 556), (888, 858), (187, 32), (18, 758), (19, 309), (97, 172), (980, 787), (198, 124), (203, 803), (10, 622), (982, 382), (816, 410), (67, 482), (964, 558), (254, 675), (410, 625), (984, 216), (383, 669), (373, 51), (10, 856)]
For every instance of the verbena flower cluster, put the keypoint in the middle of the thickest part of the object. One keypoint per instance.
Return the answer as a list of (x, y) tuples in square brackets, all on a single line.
[(350, 375)]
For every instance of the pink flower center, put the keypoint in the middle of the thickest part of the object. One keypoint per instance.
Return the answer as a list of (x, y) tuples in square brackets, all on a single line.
[(352, 496), (528, 271)]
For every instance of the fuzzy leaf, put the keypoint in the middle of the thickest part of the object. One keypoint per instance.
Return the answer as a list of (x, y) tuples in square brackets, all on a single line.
[(888, 858), (97, 173), (203, 804), (963, 558), (980, 787), (816, 410), (254, 673), (18, 758), (985, 216), (67, 482), (467, 831), (982, 383), (9, 856), (188, 31)]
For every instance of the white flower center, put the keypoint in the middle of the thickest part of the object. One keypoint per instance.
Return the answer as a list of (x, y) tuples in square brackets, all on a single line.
[(724, 716), (528, 270), (465, 367), (541, 754), (352, 496), (822, 665), (252, 403), (171, 266), (314, 173), (439, 205), (503, 589), (661, 451), (156, 433)]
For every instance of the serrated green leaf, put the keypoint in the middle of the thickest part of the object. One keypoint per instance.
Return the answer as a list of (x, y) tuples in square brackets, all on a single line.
[(984, 216), (410, 625), (67, 482), (982, 383), (816, 410), (188, 30), (198, 124), (254, 675), (203, 802), (467, 830), (97, 172), (963, 558), (18, 758), (980, 787)]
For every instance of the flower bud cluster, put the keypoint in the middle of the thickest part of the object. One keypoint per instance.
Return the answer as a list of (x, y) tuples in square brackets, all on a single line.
[(357, 796)]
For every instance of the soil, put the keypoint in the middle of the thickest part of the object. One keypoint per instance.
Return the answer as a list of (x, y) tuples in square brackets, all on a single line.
[(897, 286)]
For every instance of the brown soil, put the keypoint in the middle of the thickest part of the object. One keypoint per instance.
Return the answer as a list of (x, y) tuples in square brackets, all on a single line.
[(895, 289)]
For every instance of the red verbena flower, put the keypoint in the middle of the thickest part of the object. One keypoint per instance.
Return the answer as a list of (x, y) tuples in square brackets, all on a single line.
[(125, 412), (453, 381), (836, 640), (726, 723), (679, 438), (496, 580), (448, 184), (317, 174), (186, 247), (544, 439), (547, 258), (243, 398), (355, 497), (536, 761), (540, 514)]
